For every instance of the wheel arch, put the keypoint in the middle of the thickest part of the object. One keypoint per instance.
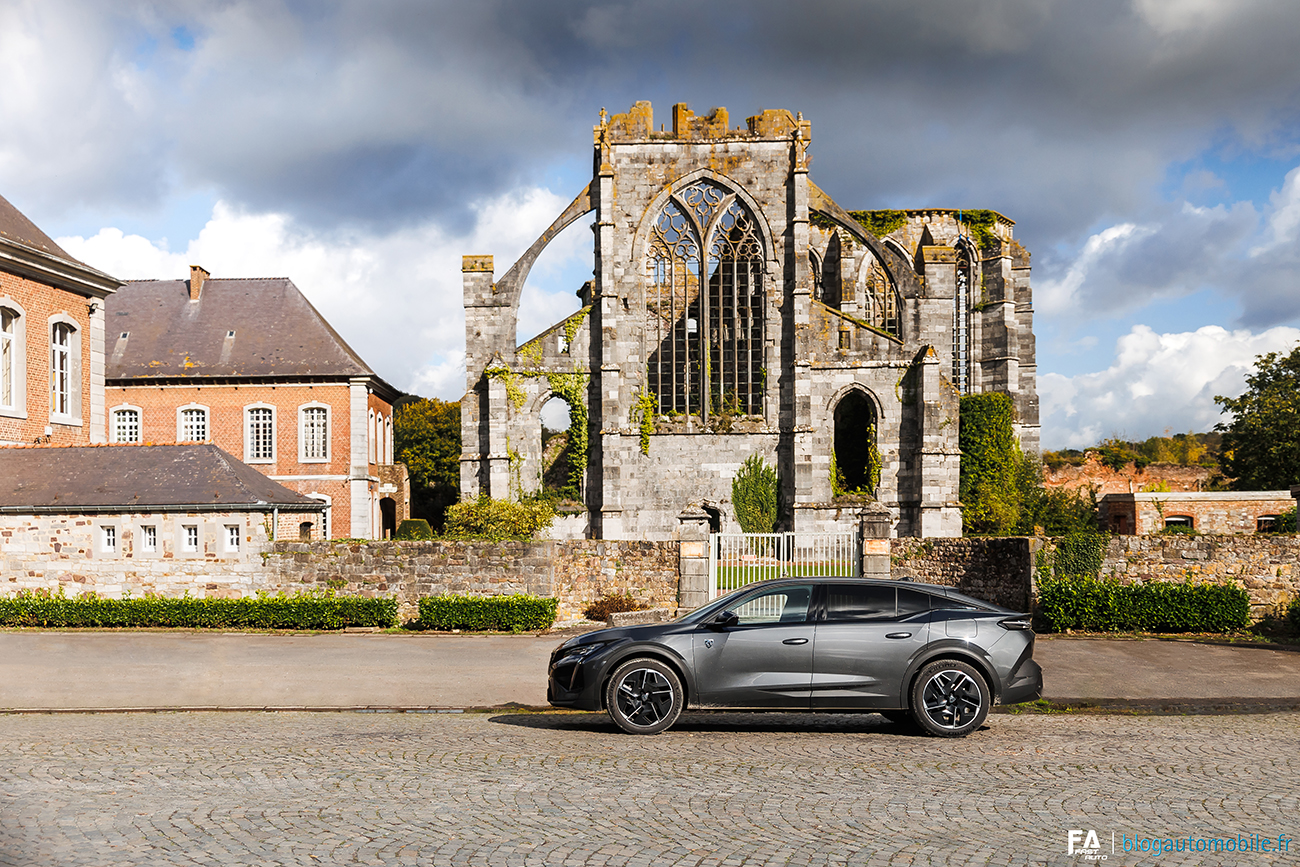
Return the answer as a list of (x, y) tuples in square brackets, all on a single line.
[(958, 654), (658, 654)]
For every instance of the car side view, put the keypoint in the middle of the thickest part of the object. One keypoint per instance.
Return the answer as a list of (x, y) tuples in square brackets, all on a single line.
[(908, 651)]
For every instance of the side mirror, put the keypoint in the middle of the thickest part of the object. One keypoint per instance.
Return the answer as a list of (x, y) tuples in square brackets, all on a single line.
[(724, 619)]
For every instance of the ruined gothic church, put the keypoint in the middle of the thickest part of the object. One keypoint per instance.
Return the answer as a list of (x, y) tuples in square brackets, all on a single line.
[(735, 310)]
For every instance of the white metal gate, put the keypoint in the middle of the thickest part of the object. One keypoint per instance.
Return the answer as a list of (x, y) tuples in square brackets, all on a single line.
[(737, 559)]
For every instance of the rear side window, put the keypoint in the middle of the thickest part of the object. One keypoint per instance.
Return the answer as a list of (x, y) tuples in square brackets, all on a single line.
[(859, 602), (912, 602)]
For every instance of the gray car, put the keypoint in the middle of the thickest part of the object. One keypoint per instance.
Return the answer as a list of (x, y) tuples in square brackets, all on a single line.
[(909, 651)]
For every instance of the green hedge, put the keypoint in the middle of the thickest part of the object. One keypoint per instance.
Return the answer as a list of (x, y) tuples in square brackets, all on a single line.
[(518, 613), (497, 520), (1106, 605), (313, 610)]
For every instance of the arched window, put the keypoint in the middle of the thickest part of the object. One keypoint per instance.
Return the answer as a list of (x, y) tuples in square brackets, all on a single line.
[(126, 425), (259, 434), (704, 305), (65, 373), (857, 457), (961, 330), (880, 298), (192, 424), (11, 357)]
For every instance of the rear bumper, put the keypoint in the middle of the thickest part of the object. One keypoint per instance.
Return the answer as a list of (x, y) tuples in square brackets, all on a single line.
[(1025, 683)]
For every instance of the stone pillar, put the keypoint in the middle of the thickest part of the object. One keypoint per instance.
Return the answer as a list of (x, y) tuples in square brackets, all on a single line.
[(693, 558), (874, 529)]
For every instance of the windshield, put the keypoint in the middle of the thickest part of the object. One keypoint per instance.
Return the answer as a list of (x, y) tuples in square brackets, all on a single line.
[(708, 609)]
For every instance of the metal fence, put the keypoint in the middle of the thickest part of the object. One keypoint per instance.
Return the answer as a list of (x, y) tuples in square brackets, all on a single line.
[(737, 559)]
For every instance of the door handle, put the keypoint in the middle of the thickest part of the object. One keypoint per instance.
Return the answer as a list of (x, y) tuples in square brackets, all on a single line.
[(899, 635), (795, 641)]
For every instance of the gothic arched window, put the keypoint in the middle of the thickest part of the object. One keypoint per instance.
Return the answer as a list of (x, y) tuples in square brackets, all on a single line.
[(880, 299), (961, 330), (704, 305)]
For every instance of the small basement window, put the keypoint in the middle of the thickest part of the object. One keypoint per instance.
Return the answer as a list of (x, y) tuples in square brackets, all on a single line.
[(1266, 523), (1179, 521)]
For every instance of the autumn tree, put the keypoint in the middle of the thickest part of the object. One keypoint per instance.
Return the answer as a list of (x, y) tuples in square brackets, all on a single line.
[(426, 437), (1261, 443)]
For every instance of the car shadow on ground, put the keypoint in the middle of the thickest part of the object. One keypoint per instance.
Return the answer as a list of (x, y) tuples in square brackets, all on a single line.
[(694, 722)]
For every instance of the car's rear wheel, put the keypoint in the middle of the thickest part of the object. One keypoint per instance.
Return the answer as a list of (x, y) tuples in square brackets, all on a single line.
[(644, 697), (950, 699)]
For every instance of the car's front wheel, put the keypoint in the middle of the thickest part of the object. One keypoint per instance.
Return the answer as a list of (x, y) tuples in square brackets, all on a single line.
[(644, 697), (950, 699)]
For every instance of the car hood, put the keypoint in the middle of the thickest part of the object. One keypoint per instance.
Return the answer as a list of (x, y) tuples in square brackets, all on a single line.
[(640, 632)]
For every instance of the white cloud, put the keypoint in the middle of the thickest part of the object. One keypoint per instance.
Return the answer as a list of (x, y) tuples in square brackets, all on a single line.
[(1157, 382), (396, 297)]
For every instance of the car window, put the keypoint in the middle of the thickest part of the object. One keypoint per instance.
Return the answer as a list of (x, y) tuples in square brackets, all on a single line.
[(788, 604), (912, 602), (859, 602)]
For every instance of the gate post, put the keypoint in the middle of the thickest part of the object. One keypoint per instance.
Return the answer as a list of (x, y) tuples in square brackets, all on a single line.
[(692, 558), (873, 526)]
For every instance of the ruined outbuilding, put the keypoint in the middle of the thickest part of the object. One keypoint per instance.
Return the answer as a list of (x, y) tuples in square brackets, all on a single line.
[(735, 310)]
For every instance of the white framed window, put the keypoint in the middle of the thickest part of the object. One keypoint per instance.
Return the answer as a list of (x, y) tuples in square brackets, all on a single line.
[(325, 515), (65, 370), (370, 436), (232, 537), (259, 434), (192, 423), (190, 538), (126, 424), (108, 539), (313, 433), (12, 359), (149, 539), (388, 440)]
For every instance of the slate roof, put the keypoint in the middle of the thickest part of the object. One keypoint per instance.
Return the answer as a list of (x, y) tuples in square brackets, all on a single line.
[(277, 332), (120, 478), (15, 226)]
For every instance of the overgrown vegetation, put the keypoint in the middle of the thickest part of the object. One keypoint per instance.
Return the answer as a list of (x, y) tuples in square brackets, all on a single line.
[(1187, 450), (980, 222), (517, 613), (413, 529), (497, 520), (310, 610), (611, 603), (1261, 444), (754, 495), (426, 437), (1092, 604), (1001, 487)]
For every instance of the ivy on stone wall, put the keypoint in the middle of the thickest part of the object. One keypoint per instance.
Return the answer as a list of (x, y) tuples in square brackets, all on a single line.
[(989, 459), (981, 223), (643, 413)]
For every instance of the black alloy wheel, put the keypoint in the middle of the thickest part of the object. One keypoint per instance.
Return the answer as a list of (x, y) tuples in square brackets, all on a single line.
[(950, 699), (644, 697)]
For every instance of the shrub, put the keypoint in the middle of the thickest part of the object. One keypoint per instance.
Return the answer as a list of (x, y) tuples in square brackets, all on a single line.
[(1293, 615), (753, 493), (517, 613), (496, 520), (311, 610), (609, 604), (1106, 605), (413, 528)]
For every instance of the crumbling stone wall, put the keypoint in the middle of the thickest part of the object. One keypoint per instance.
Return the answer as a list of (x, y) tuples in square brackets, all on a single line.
[(997, 570)]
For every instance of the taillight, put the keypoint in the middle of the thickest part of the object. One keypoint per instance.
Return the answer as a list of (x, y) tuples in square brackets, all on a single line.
[(1016, 623)]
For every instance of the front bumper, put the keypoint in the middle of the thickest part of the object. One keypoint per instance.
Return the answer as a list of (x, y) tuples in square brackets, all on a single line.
[(575, 683)]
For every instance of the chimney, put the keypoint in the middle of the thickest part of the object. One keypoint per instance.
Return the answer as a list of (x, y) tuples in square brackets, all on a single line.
[(197, 278)]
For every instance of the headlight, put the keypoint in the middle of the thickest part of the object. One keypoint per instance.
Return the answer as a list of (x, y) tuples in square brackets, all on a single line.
[(579, 652)]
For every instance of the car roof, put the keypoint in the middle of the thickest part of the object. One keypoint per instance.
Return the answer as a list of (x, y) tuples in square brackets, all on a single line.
[(938, 589)]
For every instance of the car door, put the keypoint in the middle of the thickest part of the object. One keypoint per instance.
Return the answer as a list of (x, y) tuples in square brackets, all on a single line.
[(867, 636), (764, 660)]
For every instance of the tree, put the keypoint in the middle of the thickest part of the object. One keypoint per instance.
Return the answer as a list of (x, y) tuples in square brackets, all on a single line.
[(1261, 444), (426, 437), (753, 494)]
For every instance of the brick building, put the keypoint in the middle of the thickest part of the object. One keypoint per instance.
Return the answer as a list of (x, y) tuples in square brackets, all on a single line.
[(252, 366), (1205, 512), (51, 338), (737, 310)]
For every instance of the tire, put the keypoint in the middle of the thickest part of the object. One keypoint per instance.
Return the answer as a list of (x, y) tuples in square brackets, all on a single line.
[(950, 699), (644, 697)]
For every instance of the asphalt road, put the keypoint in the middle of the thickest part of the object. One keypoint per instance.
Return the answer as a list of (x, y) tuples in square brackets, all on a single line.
[(567, 790), (172, 670)]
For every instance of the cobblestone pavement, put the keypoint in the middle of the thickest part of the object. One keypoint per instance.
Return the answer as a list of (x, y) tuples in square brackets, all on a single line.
[(567, 789)]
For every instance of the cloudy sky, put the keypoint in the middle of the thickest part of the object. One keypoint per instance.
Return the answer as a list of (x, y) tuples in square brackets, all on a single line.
[(1149, 151)]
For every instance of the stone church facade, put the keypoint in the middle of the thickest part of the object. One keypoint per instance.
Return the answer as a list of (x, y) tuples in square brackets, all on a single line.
[(736, 310)]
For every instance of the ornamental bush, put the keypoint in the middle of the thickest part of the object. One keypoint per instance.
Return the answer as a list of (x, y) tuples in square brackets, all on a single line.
[(1105, 605), (413, 529), (497, 520), (753, 494), (517, 613), (310, 610)]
